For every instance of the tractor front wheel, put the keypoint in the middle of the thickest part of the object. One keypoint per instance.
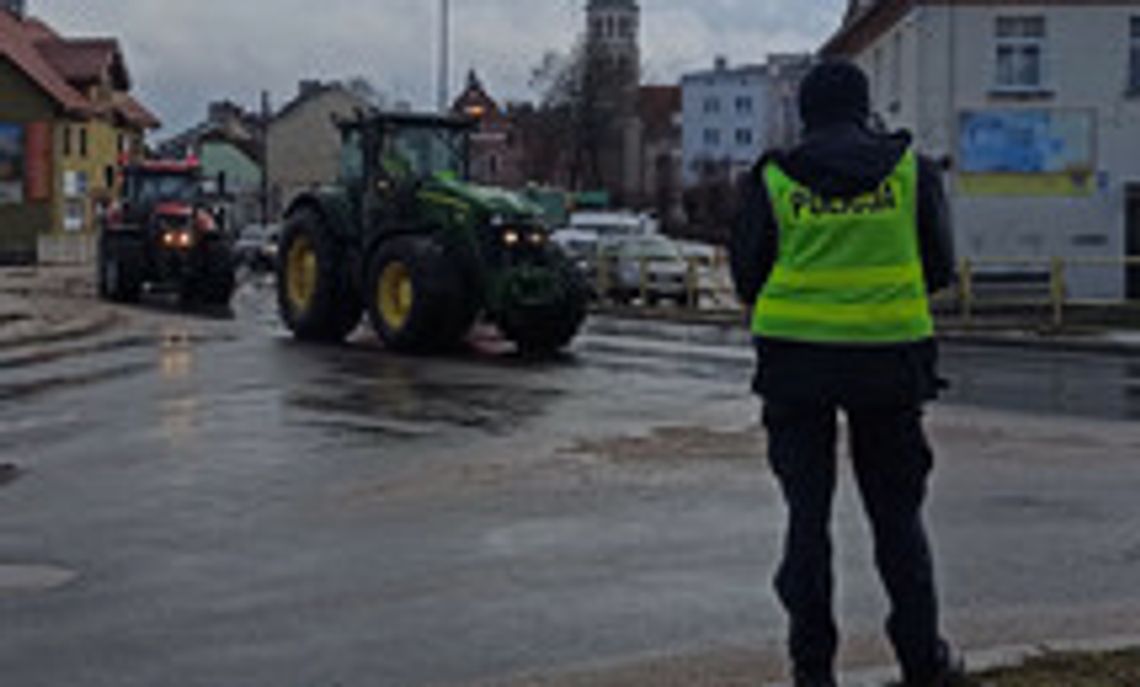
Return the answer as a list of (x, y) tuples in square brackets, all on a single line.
[(416, 300), (546, 328), (314, 289), (218, 281), (120, 268)]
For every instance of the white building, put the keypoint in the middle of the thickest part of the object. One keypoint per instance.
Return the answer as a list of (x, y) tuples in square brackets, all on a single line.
[(1038, 107), (723, 120)]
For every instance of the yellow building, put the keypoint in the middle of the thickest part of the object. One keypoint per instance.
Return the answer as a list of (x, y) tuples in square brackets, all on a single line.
[(66, 120)]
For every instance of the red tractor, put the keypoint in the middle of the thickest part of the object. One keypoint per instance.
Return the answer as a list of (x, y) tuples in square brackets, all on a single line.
[(161, 233)]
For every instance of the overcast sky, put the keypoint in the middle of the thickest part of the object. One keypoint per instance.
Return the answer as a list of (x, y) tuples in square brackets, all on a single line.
[(184, 54)]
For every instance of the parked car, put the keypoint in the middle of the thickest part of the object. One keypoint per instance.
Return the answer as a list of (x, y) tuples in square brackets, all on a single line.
[(256, 247), (650, 265)]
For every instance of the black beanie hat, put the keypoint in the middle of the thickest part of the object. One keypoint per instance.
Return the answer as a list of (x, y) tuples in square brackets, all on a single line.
[(835, 91)]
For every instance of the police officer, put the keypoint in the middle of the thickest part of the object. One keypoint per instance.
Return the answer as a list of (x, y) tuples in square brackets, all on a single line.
[(838, 245)]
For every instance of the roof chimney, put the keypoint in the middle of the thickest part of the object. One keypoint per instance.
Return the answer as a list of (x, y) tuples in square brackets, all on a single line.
[(721, 63), (16, 7)]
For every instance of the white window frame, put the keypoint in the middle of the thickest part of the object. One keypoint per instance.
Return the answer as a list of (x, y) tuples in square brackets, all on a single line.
[(712, 105), (711, 138), (744, 104), (1020, 36), (745, 137)]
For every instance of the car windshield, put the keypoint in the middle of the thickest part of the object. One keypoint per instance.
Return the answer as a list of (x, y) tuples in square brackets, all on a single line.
[(156, 188)]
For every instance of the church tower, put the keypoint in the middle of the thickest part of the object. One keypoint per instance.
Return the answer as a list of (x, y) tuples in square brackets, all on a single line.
[(614, 28)]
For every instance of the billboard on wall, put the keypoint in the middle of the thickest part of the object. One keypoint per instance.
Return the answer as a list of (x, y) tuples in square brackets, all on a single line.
[(1027, 152), (11, 164)]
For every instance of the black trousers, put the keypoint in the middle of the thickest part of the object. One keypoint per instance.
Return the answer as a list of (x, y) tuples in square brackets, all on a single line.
[(880, 393)]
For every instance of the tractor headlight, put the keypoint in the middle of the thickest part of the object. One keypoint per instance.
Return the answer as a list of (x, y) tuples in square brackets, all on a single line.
[(178, 239), (511, 237)]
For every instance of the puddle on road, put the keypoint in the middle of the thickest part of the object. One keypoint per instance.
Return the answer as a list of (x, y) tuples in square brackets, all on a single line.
[(29, 579), (676, 444), (401, 405), (38, 387)]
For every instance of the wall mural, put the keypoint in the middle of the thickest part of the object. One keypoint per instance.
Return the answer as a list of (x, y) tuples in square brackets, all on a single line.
[(1027, 152)]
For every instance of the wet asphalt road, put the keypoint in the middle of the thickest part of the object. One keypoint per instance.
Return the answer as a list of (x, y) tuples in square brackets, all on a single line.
[(242, 510)]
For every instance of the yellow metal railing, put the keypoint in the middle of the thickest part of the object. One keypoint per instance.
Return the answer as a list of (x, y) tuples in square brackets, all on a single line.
[(1055, 296), (1036, 286)]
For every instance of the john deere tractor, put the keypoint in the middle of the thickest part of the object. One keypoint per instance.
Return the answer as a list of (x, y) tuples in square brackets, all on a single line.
[(403, 237)]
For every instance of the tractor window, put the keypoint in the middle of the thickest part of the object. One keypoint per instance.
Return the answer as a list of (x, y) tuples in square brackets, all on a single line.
[(155, 188), (419, 153), (352, 159)]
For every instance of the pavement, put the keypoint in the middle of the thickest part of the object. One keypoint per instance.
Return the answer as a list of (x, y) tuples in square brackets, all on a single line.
[(45, 305), (201, 501)]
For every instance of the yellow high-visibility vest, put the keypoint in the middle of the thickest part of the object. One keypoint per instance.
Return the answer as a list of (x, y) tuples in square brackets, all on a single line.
[(849, 270)]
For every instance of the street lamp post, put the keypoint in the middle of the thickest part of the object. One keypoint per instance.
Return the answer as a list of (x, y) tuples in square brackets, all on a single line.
[(444, 85)]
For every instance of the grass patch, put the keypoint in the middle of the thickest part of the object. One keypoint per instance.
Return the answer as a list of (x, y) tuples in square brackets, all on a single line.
[(1114, 669)]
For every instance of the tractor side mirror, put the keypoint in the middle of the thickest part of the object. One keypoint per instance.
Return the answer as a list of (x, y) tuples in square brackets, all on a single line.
[(221, 183)]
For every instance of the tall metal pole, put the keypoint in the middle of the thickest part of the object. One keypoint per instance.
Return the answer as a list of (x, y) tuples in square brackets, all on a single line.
[(265, 114), (444, 83)]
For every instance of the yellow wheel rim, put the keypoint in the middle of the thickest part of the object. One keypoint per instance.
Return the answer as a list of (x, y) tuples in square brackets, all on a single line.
[(395, 295), (301, 273)]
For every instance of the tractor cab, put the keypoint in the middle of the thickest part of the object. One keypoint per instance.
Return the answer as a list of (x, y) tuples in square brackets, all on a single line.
[(386, 159), (152, 185)]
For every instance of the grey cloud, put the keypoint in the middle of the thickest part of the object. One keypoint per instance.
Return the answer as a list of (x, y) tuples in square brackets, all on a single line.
[(184, 54)]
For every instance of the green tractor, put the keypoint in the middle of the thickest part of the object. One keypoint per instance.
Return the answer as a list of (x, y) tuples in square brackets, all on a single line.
[(425, 253)]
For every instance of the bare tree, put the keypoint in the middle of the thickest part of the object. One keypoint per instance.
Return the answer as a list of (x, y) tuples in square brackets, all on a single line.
[(589, 93)]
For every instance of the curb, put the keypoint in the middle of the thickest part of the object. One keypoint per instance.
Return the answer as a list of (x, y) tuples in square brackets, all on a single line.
[(965, 337), (987, 660)]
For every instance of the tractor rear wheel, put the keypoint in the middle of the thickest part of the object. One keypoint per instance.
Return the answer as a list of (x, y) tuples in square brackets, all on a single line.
[(314, 289), (417, 302)]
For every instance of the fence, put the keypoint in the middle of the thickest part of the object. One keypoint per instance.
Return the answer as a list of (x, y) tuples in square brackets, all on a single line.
[(67, 249), (989, 291)]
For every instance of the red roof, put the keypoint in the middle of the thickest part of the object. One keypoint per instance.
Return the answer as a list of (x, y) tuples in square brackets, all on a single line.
[(135, 113), (17, 46), (63, 68), (86, 61)]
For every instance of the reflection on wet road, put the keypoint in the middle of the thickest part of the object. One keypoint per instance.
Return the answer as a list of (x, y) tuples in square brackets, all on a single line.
[(243, 510)]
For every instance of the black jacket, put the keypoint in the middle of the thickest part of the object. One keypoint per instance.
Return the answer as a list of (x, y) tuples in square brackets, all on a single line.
[(841, 160)]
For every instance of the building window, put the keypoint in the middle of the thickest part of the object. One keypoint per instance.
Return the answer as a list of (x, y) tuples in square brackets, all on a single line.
[(712, 105), (626, 27), (744, 137), (712, 137), (1020, 52), (744, 105), (599, 28), (83, 141), (1134, 61), (67, 141)]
